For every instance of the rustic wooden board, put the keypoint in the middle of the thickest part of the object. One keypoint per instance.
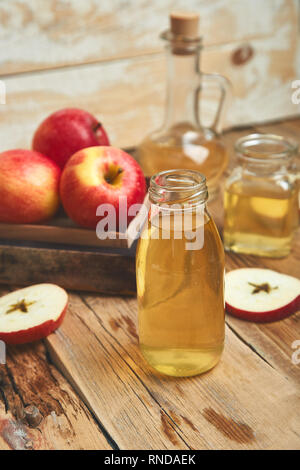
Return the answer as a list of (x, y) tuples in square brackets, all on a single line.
[(94, 271), (249, 401), (128, 95), (231, 407), (55, 33), (29, 378), (62, 235)]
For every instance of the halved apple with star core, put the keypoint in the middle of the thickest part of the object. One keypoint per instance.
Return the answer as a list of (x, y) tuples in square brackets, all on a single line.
[(32, 313), (261, 295), (100, 175)]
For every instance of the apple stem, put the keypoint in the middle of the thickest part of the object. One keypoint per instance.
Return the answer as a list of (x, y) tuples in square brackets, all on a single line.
[(110, 179), (97, 126)]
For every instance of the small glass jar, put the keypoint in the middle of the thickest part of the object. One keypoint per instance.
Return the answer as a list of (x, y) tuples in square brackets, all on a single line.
[(180, 271), (261, 197)]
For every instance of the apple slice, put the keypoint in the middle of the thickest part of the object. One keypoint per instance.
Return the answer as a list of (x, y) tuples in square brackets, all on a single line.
[(261, 295), (32, 313)]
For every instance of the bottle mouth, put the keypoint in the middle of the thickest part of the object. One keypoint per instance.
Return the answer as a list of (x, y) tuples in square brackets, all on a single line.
[(178, 186), (262, 148)]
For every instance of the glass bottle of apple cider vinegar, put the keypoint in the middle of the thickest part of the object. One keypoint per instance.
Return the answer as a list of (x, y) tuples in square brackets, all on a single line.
[(261, 197), (180, 271), (182, 141)]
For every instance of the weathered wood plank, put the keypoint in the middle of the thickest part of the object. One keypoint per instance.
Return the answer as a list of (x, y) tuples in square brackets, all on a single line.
[(231, 407), (289, 129), (98, 368), (273, 342), (14, 435), (128, 96), (29, 379), (55, 33), (93, 270)]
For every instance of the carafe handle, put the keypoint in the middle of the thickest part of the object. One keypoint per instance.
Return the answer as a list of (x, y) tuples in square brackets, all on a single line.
[(225, 87)]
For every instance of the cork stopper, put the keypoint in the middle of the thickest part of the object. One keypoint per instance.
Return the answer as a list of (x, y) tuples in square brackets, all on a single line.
[(184, 24)]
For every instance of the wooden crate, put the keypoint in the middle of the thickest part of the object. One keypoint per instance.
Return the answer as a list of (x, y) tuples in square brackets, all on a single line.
[(65, 254), (78, 268)]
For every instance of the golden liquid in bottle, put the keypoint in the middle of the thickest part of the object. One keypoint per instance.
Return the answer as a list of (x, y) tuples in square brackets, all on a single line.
[(181, 302), (182, 147), (262, 224)]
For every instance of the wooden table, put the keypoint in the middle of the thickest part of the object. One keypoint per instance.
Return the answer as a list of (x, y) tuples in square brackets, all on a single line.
[(96, 392)]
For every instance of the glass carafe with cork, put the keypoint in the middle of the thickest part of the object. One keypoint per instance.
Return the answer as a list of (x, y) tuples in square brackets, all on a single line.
[(182, 141)]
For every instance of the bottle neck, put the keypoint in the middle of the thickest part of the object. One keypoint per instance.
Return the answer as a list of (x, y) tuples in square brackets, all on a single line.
[(184, 187), (182, 86)]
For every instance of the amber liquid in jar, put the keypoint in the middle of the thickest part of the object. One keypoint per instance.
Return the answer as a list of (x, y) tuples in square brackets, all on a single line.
[(180, 296), (260, 222), (260, 200)]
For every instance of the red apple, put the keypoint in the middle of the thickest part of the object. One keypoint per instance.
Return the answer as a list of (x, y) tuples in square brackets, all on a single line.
[(65, 132), (32, 313), (29, 184), (100, 175), (261, 295)]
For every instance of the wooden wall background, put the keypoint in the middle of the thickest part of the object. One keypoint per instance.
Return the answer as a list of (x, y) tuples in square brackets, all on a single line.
[(105, 56)]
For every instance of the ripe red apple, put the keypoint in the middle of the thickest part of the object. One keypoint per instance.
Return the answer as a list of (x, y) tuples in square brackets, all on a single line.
[(32, 313), (65, 132), (100, 175), (29, 187), (261, 295)]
